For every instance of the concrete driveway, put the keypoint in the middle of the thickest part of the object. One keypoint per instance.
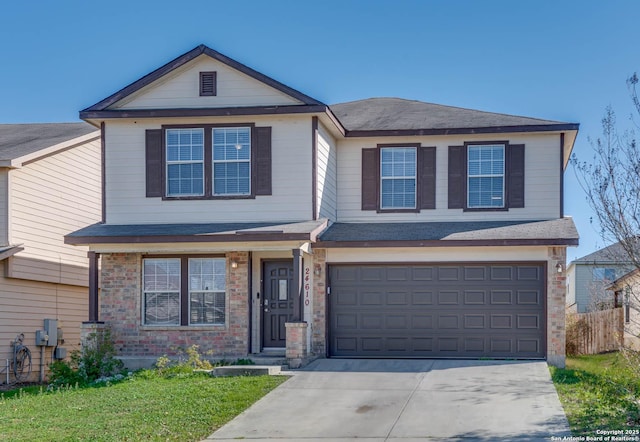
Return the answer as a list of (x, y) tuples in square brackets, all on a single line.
[(406, 400)]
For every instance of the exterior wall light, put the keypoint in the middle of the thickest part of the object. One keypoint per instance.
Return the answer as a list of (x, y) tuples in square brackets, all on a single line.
[(559, 267), (234, 264)]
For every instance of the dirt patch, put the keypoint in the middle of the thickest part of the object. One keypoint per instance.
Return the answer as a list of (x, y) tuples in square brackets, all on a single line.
[(8, 387)]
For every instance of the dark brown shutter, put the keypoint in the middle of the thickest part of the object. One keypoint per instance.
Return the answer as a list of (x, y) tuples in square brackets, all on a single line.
[(457, 176), (515, 172), (208, 83), (370, 178), (153, 159), (261, 154), (426, 177)]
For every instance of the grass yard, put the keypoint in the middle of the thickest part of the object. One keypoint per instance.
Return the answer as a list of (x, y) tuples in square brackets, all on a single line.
[(182, 408), (598, 392)]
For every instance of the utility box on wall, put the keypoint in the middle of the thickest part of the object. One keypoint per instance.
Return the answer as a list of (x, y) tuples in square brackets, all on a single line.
[(51, 336), (51, 330)]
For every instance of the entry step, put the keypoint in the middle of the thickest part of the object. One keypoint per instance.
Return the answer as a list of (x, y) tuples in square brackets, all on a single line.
[(246, 370)]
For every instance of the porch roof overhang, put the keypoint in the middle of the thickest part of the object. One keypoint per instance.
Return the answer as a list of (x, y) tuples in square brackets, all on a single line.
[(9, 251), (556, 232), (243, 232)]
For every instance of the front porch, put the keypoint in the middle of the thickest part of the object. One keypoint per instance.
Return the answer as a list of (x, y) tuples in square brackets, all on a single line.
[(269, 308)]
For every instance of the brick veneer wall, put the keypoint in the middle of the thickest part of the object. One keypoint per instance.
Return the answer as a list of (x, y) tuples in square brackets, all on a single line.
[(556, 298), (121, 309), (318, 316)]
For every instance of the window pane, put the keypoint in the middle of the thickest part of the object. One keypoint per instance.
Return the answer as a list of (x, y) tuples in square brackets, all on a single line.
[(604, 274), (231, 161), (185, 161), (162, 309), (231, 178), (207, 285), (185, 179), (207, 308), (398, 193), (485, 169), (161, 274), (398, 177)]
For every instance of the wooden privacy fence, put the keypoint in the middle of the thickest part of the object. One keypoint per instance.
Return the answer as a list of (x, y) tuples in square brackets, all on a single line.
[(595, 332)]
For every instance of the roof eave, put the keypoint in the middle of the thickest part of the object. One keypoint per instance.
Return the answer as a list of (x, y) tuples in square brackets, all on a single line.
[(450, 243), (559, 127), (165, 239), (201, 112)]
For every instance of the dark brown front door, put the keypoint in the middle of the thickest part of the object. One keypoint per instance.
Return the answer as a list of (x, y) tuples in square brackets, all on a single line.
[(277, 302)]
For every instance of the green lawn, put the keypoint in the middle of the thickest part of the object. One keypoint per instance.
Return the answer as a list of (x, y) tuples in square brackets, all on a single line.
[(598, 392), (186, 408)]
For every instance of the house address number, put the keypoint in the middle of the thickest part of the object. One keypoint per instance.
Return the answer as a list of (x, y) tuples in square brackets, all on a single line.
[(307, 285)]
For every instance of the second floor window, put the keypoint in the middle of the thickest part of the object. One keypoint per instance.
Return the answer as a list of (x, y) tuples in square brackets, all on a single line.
[(231, 161), (485, 176), (604, 274), (208, 161), (185, 162), (398, 178)]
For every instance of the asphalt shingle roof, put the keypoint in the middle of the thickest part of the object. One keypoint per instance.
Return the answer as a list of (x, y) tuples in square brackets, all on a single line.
[(105, 233), (562, 229), (612, 253), (17, 140), (386, 114)]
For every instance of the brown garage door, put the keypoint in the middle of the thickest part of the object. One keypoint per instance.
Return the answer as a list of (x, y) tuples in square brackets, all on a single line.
[(444, 310)]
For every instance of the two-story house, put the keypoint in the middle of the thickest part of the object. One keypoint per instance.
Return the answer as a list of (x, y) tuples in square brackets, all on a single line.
[(49, 187), (246, 217), (589, 278)]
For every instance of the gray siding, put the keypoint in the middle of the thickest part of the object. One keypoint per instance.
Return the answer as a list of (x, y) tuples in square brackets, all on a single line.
[(327, 178), (586, 290)]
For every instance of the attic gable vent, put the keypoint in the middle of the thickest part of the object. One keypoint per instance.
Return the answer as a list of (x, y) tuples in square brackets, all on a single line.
[(207, 84)]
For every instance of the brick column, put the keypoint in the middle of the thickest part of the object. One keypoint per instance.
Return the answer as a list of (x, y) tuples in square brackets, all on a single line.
[(556, 300), (296, 338), (319, 312), (87, 328)]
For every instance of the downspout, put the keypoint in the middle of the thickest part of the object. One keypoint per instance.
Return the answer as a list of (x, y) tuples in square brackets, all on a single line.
[(562, 175), (250, 300)]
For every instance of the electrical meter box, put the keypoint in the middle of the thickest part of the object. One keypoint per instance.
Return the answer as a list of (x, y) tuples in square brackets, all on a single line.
[(41, 338), (60, 353), (51, 330)]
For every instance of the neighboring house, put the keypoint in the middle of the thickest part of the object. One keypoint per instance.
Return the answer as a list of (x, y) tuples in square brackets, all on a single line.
[(49, 187), (626, 291), (246, 217), (588, 278)]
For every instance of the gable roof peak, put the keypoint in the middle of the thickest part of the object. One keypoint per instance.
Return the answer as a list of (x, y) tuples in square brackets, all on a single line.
[(187, 57)]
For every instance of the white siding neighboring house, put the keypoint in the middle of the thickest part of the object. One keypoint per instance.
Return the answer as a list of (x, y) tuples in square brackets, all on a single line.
[(588, 278), (50, 185), (627, 296)]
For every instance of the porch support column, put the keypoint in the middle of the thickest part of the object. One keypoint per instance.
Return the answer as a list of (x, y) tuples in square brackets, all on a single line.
[(93, 286), (298, 285)]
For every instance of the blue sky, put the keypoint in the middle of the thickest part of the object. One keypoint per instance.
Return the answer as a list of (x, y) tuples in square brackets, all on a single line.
[(557, 60)]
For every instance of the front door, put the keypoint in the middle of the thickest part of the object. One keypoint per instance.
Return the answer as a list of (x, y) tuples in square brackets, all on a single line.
[(277, 302)]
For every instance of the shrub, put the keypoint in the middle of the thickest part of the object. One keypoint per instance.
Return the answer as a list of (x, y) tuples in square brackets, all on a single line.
[(96, 360)]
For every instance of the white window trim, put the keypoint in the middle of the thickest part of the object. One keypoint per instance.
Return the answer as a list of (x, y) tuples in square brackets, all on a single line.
[(214, 161), (178, 162), (179, 291), (502, 175), (414, 177), (215, 292), (151, 292)]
